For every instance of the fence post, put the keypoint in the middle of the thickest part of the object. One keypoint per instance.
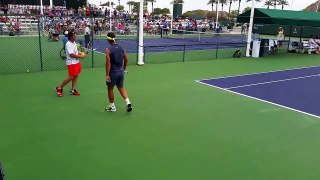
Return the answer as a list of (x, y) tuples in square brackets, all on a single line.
[(289, 39), (217, 51), (184, 52), (91, 40), (39, 35), (144, 57)]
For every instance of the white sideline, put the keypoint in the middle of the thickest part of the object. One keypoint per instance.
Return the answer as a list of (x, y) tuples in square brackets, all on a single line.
[(269, 102), (269, 82), (286, 107)]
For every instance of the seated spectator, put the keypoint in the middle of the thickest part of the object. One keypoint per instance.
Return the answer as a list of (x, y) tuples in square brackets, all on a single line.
[(127, 29), (313, 44), (121, 28)]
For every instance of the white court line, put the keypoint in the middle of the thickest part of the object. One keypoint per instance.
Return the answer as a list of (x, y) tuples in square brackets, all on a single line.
[(269, 82), (306, 67), (286, 107)]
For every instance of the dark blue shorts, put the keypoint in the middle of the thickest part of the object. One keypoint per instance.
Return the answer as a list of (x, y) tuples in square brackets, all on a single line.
[(116, 80)]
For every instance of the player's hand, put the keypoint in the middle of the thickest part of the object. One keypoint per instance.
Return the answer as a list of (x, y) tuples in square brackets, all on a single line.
[(108, 79), (82, 55)]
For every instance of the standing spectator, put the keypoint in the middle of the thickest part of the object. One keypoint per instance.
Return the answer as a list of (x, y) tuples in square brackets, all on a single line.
[(280, 36)]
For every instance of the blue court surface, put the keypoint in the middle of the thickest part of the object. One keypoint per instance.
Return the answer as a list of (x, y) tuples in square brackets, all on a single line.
[(295, 89)]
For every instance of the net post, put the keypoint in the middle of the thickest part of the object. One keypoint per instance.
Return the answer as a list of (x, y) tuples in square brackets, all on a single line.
[(140, 55)]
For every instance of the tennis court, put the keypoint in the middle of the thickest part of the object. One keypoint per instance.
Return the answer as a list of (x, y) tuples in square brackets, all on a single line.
[(178, 129), (295, 89)]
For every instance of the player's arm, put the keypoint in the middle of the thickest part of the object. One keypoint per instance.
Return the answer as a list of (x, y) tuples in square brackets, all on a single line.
[(74, 55), (108, 63), (71, 52), (125, 60)]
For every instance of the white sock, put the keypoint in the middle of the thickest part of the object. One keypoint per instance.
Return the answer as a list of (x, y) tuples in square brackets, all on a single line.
[(112, 105), (127, 101)]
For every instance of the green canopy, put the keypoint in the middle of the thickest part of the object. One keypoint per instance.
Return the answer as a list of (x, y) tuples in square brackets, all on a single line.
[(284, 17)]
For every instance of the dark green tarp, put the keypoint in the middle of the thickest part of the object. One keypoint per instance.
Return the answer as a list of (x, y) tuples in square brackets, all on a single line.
[(284, 17)]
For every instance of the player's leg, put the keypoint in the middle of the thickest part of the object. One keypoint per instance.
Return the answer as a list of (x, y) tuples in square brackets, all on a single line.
[(111, 107), (59, 89), (76, 70), (123, 92), (110, 85)]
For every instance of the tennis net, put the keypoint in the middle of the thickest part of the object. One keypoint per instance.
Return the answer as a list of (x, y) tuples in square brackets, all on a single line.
[(204, 37)]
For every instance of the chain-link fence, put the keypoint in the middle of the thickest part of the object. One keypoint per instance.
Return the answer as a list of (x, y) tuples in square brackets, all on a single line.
[(32, 43)]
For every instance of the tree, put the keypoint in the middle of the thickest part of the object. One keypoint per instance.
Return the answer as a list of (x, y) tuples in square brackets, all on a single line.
[(230, 3), (177, 2), (239, 6), (240, 3), (195, 13), (223, 2), (157, 11), (212, 2), (268, 3), (233, 14), (283, 3), (152, 1), (246, 9), (107, 4), (120, 8), (163, 11), (275, 4), (130, 3), (136, 7)]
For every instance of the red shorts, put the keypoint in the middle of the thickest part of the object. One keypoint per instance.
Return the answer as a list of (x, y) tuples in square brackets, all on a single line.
[(74, 69)]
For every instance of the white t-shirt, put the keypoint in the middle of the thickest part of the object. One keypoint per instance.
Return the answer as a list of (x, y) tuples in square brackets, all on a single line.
[(71, 48), (87, 30)]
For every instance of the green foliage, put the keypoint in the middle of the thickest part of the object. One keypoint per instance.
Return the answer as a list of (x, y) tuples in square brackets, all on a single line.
[(195, 13), (233, 14), (210, 2), (159, 11), (246, 9), (177, 2), (120, 8), (136, 7)]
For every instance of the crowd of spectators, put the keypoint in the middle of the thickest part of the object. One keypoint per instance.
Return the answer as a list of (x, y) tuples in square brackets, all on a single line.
[(59, 19)]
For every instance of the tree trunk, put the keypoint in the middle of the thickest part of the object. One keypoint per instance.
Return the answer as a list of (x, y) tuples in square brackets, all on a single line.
[(152, 6), (217, 10), (212, 7), (239, 7), (230, 6)]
